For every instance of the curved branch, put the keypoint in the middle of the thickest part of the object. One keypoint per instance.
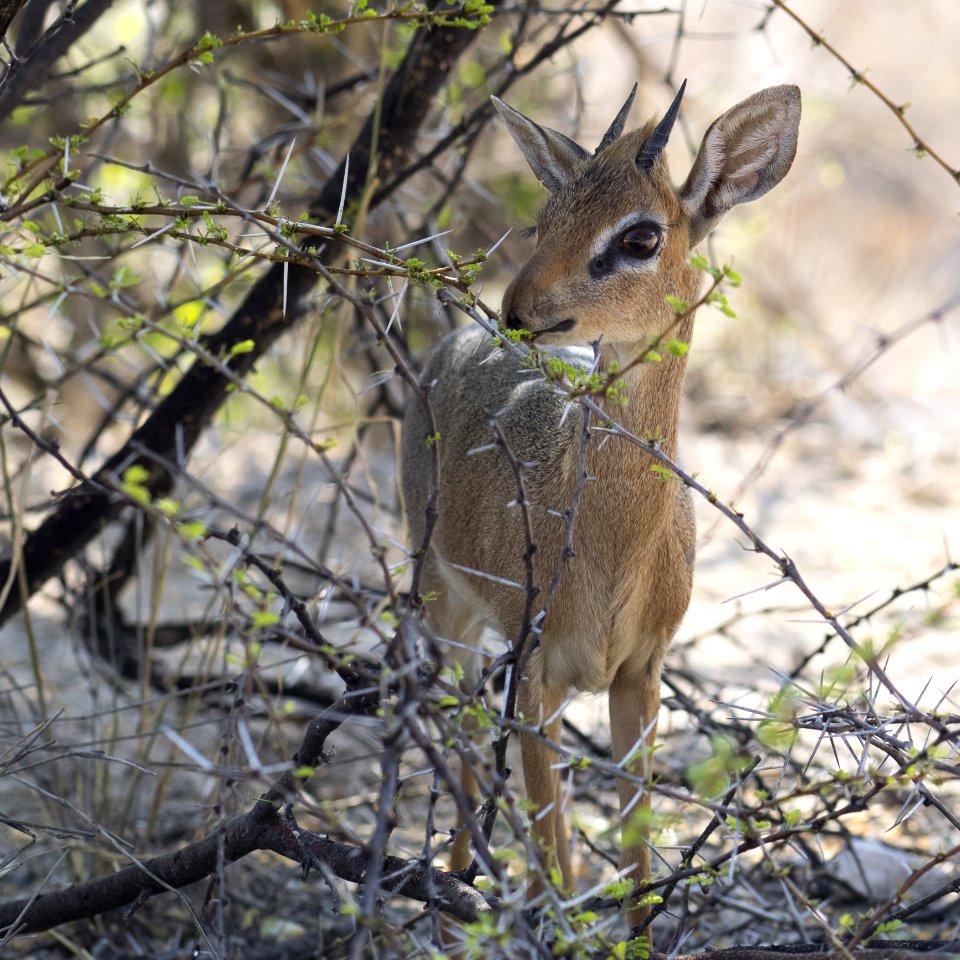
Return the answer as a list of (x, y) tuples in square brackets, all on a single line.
[(234, 840), (260, 828)]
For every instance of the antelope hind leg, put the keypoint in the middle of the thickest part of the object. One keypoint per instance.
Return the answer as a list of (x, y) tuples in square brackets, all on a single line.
[(544, 792), (634, 705)]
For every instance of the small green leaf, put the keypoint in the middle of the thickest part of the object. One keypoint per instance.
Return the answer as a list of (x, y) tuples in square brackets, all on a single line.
[(264, 618), (242, 346), (192, 529), (619, 889), (167, 506), (679, 305), (137, 473), (195, 562)]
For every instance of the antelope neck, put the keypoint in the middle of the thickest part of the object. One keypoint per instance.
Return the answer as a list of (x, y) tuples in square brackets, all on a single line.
[(653, 393)]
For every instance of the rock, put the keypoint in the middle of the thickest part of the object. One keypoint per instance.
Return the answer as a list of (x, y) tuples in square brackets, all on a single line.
[(873, 871)]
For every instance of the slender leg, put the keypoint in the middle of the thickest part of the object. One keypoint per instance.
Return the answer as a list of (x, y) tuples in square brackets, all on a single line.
[(450, 615), (462, 853), (634, 704), (544, 792), (561, 838)]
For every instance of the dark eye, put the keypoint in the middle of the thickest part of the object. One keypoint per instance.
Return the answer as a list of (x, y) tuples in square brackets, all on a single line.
[(641, 242)]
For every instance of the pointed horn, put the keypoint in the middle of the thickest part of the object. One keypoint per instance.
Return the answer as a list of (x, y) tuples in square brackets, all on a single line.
[(616, 128), (658, 139)]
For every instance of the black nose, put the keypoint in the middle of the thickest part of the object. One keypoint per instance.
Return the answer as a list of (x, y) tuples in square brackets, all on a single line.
[(514, 322)]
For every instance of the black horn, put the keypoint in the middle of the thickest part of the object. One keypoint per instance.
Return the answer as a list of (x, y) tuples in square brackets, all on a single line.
[(616, 128), (658, 139)]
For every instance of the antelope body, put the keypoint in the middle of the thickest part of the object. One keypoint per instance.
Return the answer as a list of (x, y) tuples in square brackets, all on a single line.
[(613, 240)]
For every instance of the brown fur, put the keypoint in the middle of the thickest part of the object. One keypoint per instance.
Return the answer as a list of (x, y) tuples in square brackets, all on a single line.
[(623, 594)]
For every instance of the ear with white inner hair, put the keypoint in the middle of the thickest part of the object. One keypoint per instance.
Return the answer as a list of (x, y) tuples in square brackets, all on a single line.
[(552, 156), (746, 152)]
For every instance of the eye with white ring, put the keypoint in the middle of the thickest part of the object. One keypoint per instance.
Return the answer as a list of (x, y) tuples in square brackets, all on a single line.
[(641, 242), (632, 244)]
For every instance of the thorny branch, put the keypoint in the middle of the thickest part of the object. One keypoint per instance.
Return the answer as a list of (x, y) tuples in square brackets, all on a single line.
[(860, 77)]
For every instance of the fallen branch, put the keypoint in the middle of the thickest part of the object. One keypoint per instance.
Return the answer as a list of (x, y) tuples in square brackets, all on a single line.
[(262, 827)]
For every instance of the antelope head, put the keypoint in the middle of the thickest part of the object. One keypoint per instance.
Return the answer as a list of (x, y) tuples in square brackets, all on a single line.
[(614, 236)]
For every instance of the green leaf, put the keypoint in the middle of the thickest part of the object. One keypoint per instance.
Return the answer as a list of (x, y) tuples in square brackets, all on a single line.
[(619, 889), (679, 305), (136, 474), (264, 618), (195, 562), (710, 777), (192, 529), (209, 42), (242, 346), (167, 506)]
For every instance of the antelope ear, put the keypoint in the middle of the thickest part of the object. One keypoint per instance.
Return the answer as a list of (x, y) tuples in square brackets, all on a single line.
[(746, 152), (552, 156)]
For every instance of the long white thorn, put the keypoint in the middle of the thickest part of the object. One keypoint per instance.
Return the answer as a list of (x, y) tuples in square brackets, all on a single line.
[(396, 310), (416, 243), (154, 235), (490, 252), (343, 190), (283, 168)]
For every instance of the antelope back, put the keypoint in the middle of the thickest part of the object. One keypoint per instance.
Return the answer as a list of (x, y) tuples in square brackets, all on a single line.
[(614, 236)]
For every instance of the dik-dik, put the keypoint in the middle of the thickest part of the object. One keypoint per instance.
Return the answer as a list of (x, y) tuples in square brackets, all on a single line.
[(613, 242)]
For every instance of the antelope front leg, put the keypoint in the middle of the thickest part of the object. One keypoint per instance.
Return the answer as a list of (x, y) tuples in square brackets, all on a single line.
[(537, 704), (461, 855), (634, 705)]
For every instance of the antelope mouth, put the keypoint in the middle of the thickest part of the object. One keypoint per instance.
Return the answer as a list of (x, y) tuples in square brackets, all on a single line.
[(562, 327)]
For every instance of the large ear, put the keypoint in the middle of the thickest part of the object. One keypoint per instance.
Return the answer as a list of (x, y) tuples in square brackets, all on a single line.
[(745, 152), (552, 156)]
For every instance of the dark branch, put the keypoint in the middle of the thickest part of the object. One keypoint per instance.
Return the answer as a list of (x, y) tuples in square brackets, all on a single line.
[(35, 64), (8, 10)]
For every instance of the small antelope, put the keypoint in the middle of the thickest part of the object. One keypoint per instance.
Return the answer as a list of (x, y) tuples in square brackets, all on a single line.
[(613, 240)]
